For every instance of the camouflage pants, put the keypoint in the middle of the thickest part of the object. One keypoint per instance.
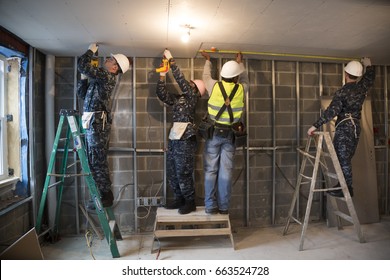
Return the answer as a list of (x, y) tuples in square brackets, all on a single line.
[(180, 167), (345, 143), (97, 142)]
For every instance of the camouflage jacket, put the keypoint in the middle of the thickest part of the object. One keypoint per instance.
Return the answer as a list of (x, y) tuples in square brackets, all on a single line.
[(96, 91), (183, 105), (348, 99)]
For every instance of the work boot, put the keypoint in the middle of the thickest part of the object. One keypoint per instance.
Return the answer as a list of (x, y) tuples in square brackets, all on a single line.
[(175, 204), (188, 207), (211, 211), (107, 198)]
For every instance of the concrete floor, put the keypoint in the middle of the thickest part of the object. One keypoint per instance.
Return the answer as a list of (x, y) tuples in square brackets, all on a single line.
[(321, 243)]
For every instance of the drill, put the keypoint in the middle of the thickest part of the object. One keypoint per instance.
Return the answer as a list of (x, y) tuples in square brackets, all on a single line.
[(164, 66)]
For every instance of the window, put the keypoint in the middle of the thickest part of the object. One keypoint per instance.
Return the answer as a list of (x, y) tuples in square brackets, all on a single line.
[(3, 120)]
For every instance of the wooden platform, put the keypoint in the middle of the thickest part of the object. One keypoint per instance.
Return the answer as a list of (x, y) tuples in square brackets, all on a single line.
[(169, 223)]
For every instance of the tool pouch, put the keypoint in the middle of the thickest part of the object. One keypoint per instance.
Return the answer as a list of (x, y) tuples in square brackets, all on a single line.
[(206, 128), (240, 134), (224, 132)]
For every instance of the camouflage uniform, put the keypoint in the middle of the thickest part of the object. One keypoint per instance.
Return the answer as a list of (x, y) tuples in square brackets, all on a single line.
[(97, 98), (347, 105), (181, 153)]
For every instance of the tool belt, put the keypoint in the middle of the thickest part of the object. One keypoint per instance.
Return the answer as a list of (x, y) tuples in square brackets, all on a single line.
[(240, 134), (206, 128), (348, 117), (86, 118)]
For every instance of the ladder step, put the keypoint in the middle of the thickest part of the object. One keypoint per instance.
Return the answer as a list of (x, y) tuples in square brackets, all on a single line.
[(306, 177), (296, 220), (189, 232), (331, 175), (54, 184), (344, 216), (306, 154)]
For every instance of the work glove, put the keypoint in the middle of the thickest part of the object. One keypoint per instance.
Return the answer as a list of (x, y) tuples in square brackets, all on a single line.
[(311, 130), (168, 54), (366, 61), (93, 47), (83, 77)]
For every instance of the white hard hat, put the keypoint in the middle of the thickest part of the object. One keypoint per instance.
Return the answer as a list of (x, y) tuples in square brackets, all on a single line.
[(231, 69), (354, 68), (123, 61), (200, 85)]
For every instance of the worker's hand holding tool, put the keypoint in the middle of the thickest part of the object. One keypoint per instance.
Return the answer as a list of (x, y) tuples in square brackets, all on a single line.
[(311, 130), (93, 47), (164, 67)]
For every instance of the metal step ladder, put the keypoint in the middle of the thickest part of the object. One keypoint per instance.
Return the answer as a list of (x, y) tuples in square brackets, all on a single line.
[(105, 215), (324, 154)]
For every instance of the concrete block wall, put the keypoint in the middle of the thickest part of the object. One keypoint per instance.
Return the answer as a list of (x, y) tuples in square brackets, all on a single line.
[(279, 115)]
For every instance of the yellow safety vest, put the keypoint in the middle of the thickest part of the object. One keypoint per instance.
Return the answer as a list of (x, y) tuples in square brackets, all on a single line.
[(216, 101)]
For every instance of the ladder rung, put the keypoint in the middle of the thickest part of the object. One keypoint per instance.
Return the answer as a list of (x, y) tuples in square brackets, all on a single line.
[(344, 216), (331, 175), (306, 154), (67, 175), (325, 154), (320, 190), (54, 184), (305, 182), (306, 177), (333, 189), (296, 220)]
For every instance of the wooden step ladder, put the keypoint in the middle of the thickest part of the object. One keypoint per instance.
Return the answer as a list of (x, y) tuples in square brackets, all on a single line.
[(169, 223), (324, 154), (105, 215)]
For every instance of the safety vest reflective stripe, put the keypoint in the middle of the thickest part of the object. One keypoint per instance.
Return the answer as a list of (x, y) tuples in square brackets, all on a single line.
[(212, 107), (216, 101)]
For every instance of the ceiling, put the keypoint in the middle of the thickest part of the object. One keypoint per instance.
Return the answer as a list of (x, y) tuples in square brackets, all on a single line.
[(258, 28)]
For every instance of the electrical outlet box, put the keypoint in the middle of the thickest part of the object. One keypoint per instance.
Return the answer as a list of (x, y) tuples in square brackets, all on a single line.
[(150, 201)]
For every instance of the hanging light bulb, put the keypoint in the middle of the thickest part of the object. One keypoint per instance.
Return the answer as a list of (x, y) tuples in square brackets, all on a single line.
[(186, 36)]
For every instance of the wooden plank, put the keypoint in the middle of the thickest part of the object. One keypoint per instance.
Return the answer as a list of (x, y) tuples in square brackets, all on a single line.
[(203, 224), (190, 232)]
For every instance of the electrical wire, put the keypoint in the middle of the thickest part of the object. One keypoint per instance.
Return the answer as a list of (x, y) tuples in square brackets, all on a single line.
[(89, 239)]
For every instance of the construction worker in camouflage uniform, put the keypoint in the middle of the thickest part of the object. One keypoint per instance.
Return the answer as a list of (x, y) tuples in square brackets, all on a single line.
[(182, 142), (95, 88), (347, 105)]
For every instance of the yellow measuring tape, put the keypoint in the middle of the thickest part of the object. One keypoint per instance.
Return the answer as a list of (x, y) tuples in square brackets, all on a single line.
[(281, 54)]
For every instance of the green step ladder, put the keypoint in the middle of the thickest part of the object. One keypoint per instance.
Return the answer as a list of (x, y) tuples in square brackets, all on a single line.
[(105, 215)]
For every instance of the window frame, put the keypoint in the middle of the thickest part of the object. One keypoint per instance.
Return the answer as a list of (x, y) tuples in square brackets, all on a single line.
[(3, 119)]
